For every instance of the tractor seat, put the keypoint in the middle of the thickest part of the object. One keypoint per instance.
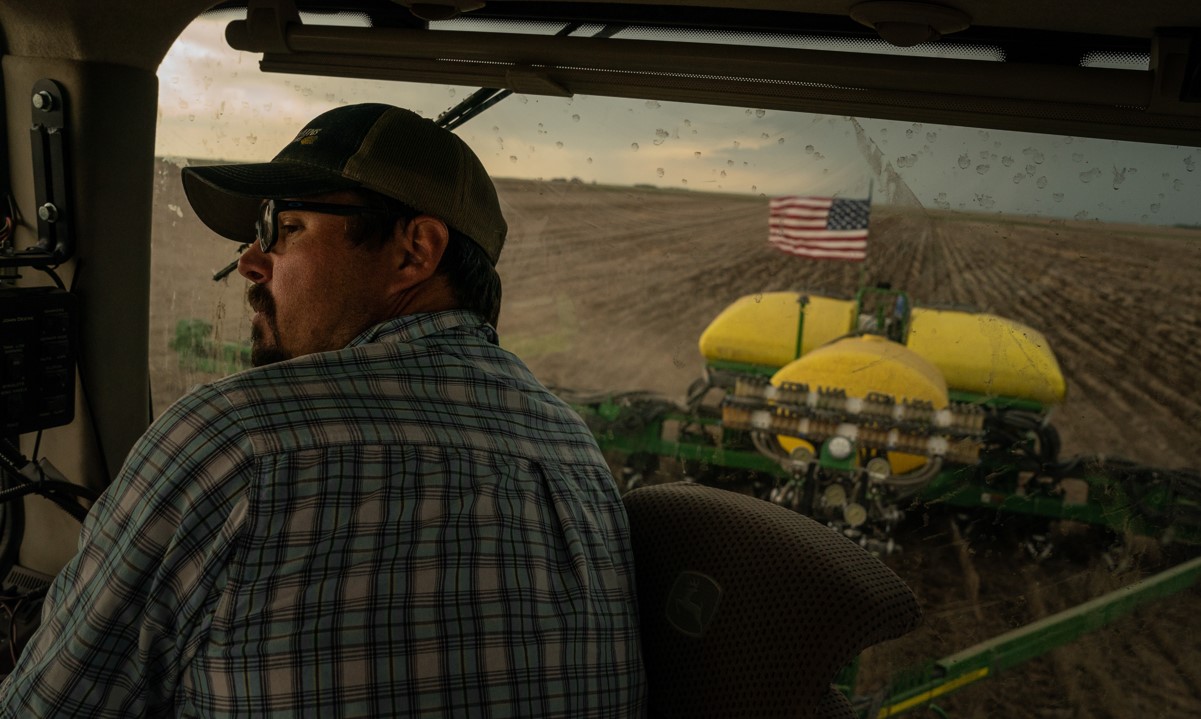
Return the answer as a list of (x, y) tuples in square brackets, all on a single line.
[(749, 609)]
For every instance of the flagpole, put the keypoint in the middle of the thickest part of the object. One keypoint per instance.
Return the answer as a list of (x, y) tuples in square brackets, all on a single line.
[(863, 265)]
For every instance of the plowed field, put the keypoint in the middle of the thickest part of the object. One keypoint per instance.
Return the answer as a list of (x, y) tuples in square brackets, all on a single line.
[(609, 289)]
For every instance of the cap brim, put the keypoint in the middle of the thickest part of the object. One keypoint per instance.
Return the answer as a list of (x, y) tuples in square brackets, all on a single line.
[(226, 198)]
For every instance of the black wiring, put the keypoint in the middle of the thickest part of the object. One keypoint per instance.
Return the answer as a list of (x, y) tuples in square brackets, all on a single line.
[(58, 281), (64, 494), (12, 628), (13, 604), (21, 603)]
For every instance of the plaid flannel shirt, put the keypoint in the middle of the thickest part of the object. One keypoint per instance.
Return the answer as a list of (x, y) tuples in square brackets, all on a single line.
[(410, 526)]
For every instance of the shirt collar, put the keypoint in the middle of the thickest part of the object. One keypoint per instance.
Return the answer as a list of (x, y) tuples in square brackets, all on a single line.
[(409, 328)]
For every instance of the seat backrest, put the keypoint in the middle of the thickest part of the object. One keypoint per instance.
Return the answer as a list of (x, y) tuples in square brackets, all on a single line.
[(749, 609)]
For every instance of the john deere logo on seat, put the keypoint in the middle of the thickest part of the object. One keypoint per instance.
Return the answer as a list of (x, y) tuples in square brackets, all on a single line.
[(692, 603)]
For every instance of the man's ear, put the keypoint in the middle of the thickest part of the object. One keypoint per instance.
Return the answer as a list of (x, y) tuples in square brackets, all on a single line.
[(418, 248)]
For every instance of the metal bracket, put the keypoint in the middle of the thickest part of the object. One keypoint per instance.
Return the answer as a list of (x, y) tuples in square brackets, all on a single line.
[(267, 23), (534, 81), (1176, 67), (1190, 87), (48, 133)]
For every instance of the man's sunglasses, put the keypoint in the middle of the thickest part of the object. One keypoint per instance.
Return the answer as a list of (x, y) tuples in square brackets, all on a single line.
[(266, 230)]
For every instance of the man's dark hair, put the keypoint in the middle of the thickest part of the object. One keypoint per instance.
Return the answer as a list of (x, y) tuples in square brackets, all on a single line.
[(466, 266)]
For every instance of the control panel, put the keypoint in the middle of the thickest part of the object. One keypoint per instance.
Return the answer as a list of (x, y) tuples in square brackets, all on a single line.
[(37, 358)]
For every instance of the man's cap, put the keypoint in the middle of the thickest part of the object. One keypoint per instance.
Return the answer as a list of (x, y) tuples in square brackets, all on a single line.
[(378, 147)]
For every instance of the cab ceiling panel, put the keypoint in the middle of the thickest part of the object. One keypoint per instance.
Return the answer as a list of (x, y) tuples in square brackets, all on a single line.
[(121, 32), (1146, 85)]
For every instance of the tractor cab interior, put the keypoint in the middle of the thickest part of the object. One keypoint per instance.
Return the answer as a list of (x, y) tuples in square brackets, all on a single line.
[(1030, 263)]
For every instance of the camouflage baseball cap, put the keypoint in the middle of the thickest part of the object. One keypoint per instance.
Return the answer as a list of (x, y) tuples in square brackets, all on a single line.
[(390, 150)]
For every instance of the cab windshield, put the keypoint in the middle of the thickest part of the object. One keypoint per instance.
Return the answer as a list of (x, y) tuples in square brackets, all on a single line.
[(635, 223)]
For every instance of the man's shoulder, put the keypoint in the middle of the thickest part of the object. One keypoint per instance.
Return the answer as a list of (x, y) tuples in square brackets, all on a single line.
[(431, 393)]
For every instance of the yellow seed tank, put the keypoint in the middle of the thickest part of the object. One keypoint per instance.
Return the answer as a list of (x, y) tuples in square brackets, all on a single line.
[(975, 352), (861, 366)]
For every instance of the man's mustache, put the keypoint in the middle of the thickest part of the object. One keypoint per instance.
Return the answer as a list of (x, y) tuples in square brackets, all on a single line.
[(260, 300)]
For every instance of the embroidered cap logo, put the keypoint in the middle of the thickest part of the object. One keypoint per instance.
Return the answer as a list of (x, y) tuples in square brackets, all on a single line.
[(307, 136)]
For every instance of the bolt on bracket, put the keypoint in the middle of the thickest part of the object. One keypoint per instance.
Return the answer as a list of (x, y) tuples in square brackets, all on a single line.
[(48, 134)]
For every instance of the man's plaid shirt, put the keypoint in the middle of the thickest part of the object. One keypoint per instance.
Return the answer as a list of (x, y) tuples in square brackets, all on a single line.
[(408, 526)]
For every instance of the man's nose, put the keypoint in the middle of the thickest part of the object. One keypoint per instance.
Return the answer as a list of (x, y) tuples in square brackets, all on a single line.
[(254, 264)]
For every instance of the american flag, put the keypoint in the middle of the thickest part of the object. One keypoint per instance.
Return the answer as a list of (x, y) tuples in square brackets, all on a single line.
[(823, 228)]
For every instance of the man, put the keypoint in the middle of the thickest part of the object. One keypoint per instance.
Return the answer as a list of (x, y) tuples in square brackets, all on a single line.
[(389, 516)]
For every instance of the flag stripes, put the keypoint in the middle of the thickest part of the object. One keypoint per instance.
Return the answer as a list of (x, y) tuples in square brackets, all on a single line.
[(820, 227)]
